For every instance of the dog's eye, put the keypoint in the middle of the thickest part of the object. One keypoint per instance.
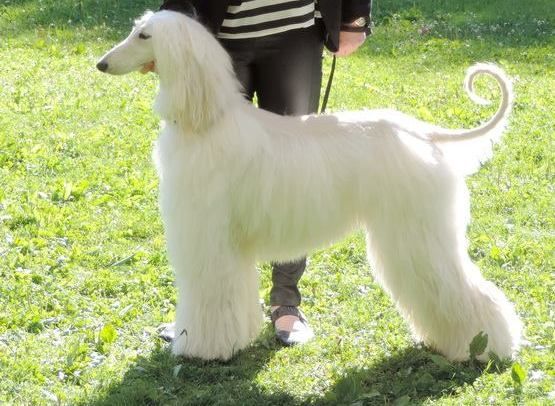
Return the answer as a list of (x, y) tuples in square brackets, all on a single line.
[(144, 36)]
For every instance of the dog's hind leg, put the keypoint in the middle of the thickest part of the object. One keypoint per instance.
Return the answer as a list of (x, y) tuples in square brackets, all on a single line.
[(418, 252), (218, 311)]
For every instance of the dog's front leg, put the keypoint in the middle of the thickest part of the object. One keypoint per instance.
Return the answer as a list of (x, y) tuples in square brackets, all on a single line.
[(218, 311)]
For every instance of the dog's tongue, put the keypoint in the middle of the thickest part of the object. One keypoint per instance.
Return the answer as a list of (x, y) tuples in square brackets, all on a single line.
[(148, 67)]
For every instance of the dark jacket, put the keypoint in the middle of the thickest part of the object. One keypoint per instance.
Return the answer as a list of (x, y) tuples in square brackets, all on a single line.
[(334, 13)]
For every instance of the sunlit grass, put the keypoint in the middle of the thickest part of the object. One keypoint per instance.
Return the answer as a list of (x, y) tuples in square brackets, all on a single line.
[(84, 276)]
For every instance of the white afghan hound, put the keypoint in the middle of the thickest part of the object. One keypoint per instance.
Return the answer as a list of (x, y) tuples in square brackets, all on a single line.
[(240, 185)]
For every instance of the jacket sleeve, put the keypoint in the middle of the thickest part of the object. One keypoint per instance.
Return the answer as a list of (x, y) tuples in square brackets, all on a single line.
[(211, 12), (353, 9)]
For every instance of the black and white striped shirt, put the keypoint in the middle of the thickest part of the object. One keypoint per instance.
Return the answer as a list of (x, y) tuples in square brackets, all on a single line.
[(259, 18)]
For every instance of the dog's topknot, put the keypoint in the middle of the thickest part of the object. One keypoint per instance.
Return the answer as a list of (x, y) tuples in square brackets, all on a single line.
[(181, 6)]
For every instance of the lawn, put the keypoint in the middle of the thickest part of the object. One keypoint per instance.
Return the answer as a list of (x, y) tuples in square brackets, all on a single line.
[(85, 281)]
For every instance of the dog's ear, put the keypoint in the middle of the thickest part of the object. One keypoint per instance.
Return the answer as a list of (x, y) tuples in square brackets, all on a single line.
[(186, 92), (181, 6)]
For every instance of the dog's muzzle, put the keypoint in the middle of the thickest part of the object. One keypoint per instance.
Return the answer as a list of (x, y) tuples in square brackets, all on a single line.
[(102, 66)]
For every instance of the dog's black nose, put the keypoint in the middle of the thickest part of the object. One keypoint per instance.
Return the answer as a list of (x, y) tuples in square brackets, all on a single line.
[(102, 66)]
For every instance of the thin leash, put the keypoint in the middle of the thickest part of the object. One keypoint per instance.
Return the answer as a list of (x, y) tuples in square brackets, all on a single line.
[(328, 87)]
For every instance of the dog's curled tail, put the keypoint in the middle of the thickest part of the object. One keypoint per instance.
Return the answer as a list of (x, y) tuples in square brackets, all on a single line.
[(469, 148)]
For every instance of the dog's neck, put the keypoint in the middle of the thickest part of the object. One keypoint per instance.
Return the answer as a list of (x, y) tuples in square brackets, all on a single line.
[(197, 83), (195, 104)]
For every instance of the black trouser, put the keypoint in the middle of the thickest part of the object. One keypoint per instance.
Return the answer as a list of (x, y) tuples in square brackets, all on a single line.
[(284, 71)]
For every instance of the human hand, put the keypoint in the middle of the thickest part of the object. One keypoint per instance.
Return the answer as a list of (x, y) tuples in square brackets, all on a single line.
[(148, 67), (349, 42)]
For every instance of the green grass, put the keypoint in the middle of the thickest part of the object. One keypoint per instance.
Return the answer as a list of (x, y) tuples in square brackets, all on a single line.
[(84, 277)]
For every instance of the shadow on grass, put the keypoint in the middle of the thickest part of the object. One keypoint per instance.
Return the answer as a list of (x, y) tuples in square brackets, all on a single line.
[(516, 22), (17, 17), (161, 379), (410, 377), (505, 23)]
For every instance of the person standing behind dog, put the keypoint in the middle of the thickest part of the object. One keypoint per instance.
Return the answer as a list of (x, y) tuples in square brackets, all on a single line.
[(276, 47)]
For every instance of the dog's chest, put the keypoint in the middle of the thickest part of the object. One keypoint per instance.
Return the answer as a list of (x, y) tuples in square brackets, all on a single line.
[(193, 169)]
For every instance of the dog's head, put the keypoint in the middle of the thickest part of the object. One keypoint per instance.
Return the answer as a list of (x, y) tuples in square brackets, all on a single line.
[(151, 39), (197, 82), (133, 52)]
